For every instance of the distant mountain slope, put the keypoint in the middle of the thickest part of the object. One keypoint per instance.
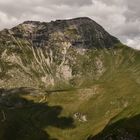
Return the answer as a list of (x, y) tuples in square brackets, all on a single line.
[(79, 32)]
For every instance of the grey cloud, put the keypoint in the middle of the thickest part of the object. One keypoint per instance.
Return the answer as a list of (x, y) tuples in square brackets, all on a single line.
[(133, 12), (18, 8), (72, 2)]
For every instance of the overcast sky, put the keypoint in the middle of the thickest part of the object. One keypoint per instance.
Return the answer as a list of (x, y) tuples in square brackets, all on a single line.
[(121, 18)]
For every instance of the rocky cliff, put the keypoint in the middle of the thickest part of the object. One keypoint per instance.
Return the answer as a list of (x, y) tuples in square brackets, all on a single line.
[(79, 32)]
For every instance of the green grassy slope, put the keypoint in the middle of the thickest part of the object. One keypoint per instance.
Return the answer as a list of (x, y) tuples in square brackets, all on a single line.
[(103, 91)]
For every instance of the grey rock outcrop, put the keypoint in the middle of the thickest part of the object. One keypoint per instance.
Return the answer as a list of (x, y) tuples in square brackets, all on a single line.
[(79, 32)]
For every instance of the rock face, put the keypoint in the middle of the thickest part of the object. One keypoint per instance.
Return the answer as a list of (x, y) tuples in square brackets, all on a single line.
[(80, 32)]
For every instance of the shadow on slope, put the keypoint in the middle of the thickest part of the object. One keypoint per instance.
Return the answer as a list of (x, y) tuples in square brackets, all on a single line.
[(21, 119), (124, 129)]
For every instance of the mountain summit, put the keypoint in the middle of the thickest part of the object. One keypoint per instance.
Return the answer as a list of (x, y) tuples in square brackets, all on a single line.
[(79, 32)]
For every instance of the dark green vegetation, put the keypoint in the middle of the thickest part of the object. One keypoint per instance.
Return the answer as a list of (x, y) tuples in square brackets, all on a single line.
[(25, 119), (127, 128), (71, 93)]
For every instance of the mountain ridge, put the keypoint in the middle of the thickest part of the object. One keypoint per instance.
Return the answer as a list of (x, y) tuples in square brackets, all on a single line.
[(82, 32)]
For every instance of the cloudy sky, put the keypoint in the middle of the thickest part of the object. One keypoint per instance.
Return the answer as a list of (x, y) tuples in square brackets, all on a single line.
[(121, 18)]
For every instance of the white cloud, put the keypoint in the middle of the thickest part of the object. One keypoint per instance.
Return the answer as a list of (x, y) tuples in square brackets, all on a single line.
[(134, 42)]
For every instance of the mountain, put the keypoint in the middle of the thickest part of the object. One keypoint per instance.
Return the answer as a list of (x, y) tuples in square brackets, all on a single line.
[(67, 80), (79, 32)]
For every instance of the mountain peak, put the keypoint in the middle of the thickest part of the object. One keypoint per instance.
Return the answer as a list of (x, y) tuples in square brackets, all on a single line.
[(59, 20), (31, 22), (80, 32)]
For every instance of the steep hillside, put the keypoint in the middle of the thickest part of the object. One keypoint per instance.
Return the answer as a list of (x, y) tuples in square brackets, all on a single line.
[(67, 80)]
